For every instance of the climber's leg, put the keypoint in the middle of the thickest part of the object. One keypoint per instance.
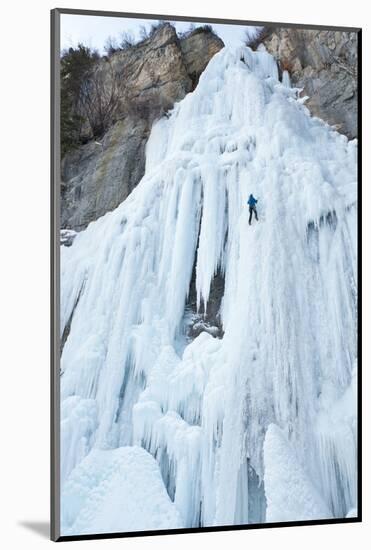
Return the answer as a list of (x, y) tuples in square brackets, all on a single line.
[(250, 210)]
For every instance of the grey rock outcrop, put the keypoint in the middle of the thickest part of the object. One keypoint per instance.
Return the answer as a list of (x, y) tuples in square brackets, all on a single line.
[(99, 175), (204, 319), (324, 64), (67, 236), (197, 50)]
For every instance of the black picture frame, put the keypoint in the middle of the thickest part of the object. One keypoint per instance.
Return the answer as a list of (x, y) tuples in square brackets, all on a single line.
[(55, 274)]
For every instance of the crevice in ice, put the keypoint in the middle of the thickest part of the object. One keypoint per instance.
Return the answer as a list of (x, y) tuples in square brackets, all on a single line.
[(67, 327), (205, 317), (329, 219), (132, 384), (167, 471), (250, 498)]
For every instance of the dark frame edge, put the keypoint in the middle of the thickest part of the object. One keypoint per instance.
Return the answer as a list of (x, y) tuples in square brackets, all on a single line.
[(54, 275), (359, 275), (213, 529), (195, 19)]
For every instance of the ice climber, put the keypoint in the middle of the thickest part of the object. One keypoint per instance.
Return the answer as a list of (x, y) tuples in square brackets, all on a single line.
[(252, 207)]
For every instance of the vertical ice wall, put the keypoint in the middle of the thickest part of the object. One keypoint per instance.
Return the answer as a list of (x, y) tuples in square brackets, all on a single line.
[(284, 364)]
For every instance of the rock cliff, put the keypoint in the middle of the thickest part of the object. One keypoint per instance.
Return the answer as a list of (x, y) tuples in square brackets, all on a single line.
[(156, 73), (152, 76), (324, 64)]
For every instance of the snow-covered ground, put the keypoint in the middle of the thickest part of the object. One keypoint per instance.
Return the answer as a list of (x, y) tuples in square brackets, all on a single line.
[(259, 425), (117, 490)]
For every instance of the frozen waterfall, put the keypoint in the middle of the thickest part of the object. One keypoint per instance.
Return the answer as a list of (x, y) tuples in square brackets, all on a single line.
[(255, 421)]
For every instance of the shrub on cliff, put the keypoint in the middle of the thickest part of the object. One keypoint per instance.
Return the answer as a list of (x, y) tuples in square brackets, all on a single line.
[(75, 65)]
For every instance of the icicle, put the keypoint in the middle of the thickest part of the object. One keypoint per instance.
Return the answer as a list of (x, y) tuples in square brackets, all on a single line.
[(286, 81)]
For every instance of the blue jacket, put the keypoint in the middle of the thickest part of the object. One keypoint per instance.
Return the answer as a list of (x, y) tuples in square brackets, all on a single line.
[(252, 201)]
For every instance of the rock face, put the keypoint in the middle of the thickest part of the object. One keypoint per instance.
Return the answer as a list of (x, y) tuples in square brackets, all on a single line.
[(324, 64), (199, 320), (67, 236), (154, 75), (197, 49)]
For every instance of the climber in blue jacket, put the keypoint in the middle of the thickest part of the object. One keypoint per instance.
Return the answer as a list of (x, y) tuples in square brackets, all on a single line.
[(252, 207)]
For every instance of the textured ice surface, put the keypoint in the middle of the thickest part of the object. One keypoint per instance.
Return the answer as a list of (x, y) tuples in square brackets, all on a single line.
[(288, 352), (291, 496), (117, 490)]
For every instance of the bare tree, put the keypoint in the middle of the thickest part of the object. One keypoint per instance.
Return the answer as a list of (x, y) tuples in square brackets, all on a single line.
[(100, 94), (110, 46), (159, 25), (127, 40), (187, 32), (143, 33)]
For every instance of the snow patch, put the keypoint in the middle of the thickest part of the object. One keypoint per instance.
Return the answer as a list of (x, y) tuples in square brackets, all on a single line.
[(120, 490)]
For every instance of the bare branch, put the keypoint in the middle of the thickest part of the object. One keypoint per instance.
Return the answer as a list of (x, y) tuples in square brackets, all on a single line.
[(99, 97)]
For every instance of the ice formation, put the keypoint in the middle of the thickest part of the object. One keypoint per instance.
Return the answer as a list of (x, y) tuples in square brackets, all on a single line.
[(117, 490), (226, 418)]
